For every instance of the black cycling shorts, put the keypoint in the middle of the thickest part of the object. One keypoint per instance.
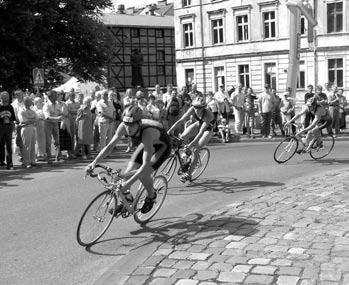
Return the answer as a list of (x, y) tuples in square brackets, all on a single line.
[(138, 154)]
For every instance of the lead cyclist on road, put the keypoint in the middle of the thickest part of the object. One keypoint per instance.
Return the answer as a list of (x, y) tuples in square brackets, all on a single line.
[(153, 150), (322, 119), (201, 130)]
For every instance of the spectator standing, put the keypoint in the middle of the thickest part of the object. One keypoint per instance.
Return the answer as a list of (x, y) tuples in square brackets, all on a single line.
[(250, 110), (308, 116), (173, 110), (65, 132), (98, 95), (167, 96), (72, 107), (7, 119), (105, 116), (237, 99), (27, 119), (287, 108), (84, 121), (129, 99), (194, 92), (212, 104), (266, 105), (163, 114), (18, 105), (53, 116), (222, 99), (153, 109), (40, 129), (333, 102), (157, 93), (276, 119), (342, 109), (321, 97)]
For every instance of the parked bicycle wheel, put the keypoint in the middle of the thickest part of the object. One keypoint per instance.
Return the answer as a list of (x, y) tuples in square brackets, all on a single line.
[(160, 187), (168, 168), (204, 157), (286, 149), (321, 149), (96, 219)]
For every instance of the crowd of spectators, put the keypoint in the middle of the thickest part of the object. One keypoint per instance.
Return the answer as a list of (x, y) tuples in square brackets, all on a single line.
[(79, 124)]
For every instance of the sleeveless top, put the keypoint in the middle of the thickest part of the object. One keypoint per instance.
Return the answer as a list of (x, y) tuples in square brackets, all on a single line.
[(201, 120)]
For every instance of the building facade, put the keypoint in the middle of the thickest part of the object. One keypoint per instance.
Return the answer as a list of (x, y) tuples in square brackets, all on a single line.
[(144, 52), (247, 41)]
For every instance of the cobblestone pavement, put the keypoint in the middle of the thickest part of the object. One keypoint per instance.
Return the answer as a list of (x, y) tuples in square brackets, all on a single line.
[(296, 235)]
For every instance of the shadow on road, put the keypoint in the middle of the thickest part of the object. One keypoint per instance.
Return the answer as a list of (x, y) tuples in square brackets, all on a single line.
[(195, 229), (223, 184), (331, 161)]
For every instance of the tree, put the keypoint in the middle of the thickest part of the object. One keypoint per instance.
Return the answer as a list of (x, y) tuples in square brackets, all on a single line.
[(58, 35)]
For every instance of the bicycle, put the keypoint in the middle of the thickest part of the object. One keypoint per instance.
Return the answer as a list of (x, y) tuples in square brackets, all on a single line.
[(184, 157), (319, 147), (100, 213)]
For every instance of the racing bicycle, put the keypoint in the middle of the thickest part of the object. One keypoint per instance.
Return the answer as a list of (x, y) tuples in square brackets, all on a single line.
[(100, 213), (184, 157), (319, 147)]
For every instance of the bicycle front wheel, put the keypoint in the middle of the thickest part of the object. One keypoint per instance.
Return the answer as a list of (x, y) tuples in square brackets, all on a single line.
[(160, 187), (168, 168), (285, 149), (96, 219), (204, 157), (320, 149)]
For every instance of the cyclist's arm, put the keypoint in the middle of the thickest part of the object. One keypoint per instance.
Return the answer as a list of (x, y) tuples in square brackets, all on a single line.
[(148, 140), (312, 125), (119, 133), (297, 116), (182, 120)]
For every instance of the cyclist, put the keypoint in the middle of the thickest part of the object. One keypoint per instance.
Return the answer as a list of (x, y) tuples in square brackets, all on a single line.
[(153, 150), (201, 130), (322, 119)]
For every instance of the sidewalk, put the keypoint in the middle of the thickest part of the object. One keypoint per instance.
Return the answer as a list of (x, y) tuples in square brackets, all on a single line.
[(296, 235)]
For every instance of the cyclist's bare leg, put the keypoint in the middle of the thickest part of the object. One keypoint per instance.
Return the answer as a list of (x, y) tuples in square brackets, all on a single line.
[(312, 136), (147, 181), (190, 132), (203, 141)]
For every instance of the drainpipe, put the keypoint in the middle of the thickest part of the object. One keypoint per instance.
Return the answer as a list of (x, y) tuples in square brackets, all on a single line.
[(316, 64), (202, 46)]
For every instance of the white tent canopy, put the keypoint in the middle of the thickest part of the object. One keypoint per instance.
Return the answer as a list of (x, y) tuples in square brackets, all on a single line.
[(81, 87)]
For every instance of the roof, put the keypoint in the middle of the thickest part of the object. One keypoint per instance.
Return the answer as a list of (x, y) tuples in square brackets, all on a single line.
[(112, 19)]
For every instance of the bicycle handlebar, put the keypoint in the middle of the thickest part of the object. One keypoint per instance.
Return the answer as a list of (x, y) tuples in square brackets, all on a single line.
[(109, 170)]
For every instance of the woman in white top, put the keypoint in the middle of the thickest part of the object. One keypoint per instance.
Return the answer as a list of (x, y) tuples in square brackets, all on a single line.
[(40, 128), (213, 105)]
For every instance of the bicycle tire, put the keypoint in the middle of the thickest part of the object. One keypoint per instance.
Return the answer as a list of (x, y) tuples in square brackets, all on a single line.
[(201, 163), (168, 168), (287, 146), (160, 186), (327, 146), (108, 199)]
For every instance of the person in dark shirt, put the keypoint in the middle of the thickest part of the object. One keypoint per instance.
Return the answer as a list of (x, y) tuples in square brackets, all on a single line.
[(321, 97), (7, 117), (308, 116)]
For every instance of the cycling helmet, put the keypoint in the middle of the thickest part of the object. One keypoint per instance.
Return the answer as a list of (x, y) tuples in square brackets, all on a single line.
[(132, 114), (199, 102), (312, 102)]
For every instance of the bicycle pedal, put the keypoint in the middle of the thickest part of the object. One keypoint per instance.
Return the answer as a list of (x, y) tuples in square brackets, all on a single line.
[(125, 213)]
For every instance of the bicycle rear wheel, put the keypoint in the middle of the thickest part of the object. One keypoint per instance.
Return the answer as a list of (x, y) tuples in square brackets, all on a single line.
[(168, 168), (204, 157), (321, 149), (160, 187), (96, 219), (285, 149)]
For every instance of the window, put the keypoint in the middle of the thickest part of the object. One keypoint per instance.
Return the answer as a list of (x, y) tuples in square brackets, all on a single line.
[(160, 70), (217, 31), (303, 29), (135, 33), (189, 76), (160, 55), (335, 71), (159, 33), (188, 35), (270, 74), (334, 17), (242, 28), (301, 75), (269, 24), (186, 3), (219, 76), (244, 75)]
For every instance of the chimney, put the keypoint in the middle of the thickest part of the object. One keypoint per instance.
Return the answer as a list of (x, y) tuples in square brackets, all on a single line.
[(121, 9), (130, 10), (151, 9)]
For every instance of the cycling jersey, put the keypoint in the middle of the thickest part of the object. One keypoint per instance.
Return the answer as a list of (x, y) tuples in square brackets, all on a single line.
[(205, 114), (163, 141), (323, 115)]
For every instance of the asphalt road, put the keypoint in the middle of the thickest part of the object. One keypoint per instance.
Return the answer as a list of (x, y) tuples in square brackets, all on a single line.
[(40, 210)]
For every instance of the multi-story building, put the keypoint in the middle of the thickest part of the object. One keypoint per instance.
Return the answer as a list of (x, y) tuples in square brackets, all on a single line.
[(247, 41), (144, 53)]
